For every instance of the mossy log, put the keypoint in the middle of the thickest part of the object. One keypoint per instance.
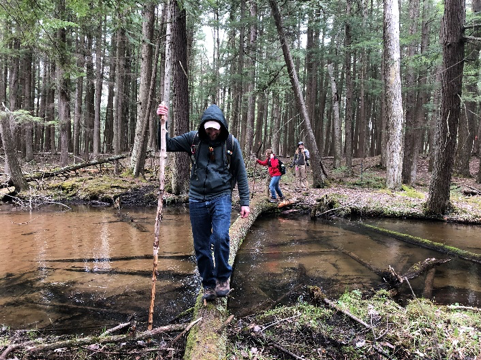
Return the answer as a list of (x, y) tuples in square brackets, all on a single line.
[(207, 339), (428, 244)]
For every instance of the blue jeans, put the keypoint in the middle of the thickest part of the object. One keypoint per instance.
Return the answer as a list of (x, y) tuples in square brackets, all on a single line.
[(210, 222), (274, 187)]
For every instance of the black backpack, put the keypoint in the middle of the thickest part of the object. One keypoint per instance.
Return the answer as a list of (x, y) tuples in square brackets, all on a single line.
[(228, 146), (280, 165)]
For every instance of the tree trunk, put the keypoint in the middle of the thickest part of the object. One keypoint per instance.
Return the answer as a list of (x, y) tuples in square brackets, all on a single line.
[(63, 87), (89, 102), (436, 114), (137, 159), (276, 118), (466, 136), (467, 121), (11, 160), (451, 89), (109, 115), (317, 169), (349, 89), (312, 64), (252, 79), (180, 71), (237, 97), (3, 85), (261, 110), (421, 113), (28, 104), (392, 79), (99, 74), (337, 135), (78, 96), (50, 111), (362, 118), (410, 157), (119, 92), (14, 74)]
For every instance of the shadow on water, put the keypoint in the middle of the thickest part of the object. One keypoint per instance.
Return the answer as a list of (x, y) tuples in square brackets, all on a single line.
[(84, 270), (282, 255)]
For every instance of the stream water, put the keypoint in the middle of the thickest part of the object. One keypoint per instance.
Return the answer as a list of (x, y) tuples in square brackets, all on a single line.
[(281, 253), (89, 268)]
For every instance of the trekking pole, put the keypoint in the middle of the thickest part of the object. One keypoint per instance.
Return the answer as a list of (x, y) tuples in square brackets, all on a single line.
[(158, 217)]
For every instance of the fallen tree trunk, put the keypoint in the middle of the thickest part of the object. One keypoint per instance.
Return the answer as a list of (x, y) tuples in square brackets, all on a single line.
[(68, 169), (207, 340), (428, 244)]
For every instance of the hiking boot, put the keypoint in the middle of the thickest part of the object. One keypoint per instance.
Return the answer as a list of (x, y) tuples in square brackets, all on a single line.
[(282, 198), (273, 200), (222, 288), (209, 294)]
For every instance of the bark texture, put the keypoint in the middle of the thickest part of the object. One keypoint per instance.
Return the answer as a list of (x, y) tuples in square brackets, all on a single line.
[(180, 73), (451, 89), (392, 79), (15, 172)]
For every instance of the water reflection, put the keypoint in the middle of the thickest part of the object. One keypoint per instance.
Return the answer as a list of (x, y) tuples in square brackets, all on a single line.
[(90, 268), (280, 254)]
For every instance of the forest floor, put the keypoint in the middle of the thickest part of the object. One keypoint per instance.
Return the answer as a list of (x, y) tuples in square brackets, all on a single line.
[(311, 328)]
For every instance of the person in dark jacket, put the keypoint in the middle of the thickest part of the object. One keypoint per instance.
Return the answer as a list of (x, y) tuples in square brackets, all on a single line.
[(300, 161), (210, 195), (273, 165)]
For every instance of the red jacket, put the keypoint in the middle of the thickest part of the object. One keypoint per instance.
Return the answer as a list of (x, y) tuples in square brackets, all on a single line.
[(273, 168)]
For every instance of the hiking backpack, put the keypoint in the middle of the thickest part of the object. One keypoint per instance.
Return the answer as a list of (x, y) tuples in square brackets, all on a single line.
[(228, 146), (280, 165)]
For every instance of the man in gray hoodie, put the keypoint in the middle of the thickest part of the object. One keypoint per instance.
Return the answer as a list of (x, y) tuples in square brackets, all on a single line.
[(213, 176)]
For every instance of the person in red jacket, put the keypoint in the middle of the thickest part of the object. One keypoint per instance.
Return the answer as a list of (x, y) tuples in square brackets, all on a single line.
[(273, 163)]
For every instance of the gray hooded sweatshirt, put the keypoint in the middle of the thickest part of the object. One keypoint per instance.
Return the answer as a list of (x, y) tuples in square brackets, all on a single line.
[(212, 178)]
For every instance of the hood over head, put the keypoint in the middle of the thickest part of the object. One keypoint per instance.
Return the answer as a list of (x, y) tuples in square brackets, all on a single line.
[(214, 113)]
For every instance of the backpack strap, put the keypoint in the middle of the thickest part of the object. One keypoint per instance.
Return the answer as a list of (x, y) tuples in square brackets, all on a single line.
[(194, 150), (229, 149)]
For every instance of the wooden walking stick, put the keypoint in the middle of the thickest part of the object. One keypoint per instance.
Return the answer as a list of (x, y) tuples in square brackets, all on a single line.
[(162, 161), (158, 217)]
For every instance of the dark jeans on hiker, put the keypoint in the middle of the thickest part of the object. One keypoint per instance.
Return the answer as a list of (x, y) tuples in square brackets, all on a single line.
[(210, 222), (274, 187)]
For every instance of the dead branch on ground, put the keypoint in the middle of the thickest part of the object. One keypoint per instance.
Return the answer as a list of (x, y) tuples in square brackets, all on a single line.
[(67, 169), (34, 347)]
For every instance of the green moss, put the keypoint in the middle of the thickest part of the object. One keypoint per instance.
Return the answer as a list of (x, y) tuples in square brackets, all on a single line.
[(411, 192), (369, 180)]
